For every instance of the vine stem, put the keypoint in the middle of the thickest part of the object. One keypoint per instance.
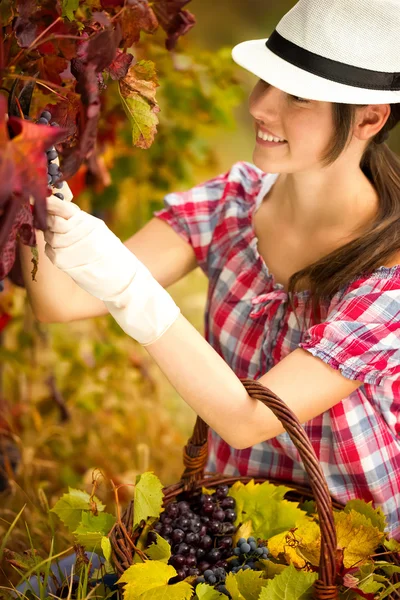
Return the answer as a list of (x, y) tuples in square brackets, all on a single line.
[(40, 82), (32, 44)]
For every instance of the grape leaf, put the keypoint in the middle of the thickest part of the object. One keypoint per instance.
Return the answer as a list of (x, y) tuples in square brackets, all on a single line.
[(21, 179), (159, 550), (264, 505), (137, 16), (106, 547), (270, 569), (149, 581), (207, 592), (245, 585), (303, 545), (92, 528), (375, 515), (148, 497), (137, 91), (290, 584), (28, 560), (120, 65), (356, 536), (173, 19), (68, 8), (70, 506)]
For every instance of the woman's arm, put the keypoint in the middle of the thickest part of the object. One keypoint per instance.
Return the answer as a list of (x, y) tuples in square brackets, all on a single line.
[(205, 381)]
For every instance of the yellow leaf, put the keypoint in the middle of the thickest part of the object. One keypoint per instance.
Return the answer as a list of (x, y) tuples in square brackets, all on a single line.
[(356, 536), (244, 531), (299, 546), (149, 581)]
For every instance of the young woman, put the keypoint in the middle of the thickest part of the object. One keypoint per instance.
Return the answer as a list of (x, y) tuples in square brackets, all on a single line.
[(302, 252)]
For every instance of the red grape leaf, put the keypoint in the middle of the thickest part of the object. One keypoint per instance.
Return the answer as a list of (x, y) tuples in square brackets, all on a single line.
[(137, 16), (23, 173), (50, 68), (93, 58), (173, 19), (120, 65)]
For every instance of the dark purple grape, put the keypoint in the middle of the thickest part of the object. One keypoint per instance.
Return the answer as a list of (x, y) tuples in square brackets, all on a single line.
[(58, 185), (177, 536), (226, 542), (193, 551), (166, 519), (183, 548), (214, 527), (206, 542), (203, 530), (180, 576), (158, 526), (200, 553), (177, 561), (184, 507), (42, 121), (168, 539), (205, 519), (46, 115), (58, 195), (167, 530), (208, 508), (214, 555), (219, 515), (230, 515), (228, 502), (222, 491), (223, 565), (203, 566), (190, 561), (183, 523), (172, 510), (52, 155), (192, 538), (194, 571)]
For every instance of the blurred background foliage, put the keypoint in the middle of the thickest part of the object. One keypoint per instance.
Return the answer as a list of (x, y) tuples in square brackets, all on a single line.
[(82, 396)]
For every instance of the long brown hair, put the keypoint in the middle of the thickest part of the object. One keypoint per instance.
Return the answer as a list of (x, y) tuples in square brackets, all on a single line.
[(380, 242)]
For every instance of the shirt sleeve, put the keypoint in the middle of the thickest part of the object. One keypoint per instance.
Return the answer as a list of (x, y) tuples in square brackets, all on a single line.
[(361, 335), (194, 214)]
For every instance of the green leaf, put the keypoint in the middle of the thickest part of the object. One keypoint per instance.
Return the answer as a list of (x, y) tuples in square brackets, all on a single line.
[(375, 515), (392, 544), (264, 505), (93, 528), (148, 497), (290, 585), (149, 581), (357, 536), (270, 569), (386, 567), (159, 550), (245, 584), (207, 592), (70, 506), (68, 8)]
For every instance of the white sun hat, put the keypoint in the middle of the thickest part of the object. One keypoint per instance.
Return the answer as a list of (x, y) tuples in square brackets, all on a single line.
[(331, 50)]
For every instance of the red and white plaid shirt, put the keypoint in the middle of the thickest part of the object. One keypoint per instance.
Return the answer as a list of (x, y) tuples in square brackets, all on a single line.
[(250, 323)]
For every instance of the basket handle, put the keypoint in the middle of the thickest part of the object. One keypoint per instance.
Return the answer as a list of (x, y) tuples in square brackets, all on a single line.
[(195, 459)]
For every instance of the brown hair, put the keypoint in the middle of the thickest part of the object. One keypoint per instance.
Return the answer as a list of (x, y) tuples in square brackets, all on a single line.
[(380, 242)]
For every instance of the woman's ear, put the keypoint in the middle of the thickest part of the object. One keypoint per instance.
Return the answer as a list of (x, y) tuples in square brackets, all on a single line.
[(370, 120)]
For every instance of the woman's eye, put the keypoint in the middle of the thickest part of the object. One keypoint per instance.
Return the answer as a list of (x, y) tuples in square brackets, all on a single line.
[(298, 99)]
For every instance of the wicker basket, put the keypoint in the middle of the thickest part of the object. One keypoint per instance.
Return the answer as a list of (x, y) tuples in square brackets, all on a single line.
[(194, 477)]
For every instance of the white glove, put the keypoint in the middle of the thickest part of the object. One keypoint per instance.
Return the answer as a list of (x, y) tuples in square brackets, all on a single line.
[(84, 247)]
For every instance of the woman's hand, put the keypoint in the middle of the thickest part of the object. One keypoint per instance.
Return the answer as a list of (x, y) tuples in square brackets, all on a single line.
[(85, 248), (96, 259)]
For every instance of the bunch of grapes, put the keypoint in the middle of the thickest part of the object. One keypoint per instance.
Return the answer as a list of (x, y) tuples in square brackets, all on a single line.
[(215, 577), (247, 552), (199, 532), (53, 170)]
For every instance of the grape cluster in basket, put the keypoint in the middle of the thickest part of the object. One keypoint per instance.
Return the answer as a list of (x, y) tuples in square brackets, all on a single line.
[(53, 170), (200, 533)]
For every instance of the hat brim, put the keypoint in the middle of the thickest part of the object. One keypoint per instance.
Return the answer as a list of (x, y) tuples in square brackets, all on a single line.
[(257, 58)]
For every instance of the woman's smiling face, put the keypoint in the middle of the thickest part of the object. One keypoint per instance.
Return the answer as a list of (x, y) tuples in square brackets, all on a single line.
[(306, 125)]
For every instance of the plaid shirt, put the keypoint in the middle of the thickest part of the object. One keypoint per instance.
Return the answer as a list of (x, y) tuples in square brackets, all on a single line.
[(250, 323)]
